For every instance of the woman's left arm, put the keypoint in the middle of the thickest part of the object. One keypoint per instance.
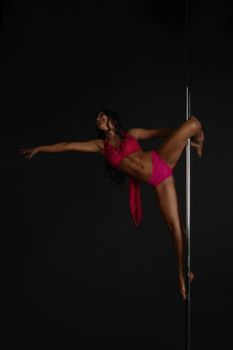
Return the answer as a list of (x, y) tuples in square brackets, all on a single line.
[(145, 134)]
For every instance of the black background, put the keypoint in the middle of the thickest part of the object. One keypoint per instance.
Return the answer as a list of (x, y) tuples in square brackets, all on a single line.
[(72, 262)]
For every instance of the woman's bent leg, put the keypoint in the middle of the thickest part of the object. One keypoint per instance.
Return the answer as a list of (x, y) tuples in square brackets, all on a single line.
[(174, 145)]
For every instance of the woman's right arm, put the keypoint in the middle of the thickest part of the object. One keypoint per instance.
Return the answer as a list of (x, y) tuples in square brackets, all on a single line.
[(85, 146)]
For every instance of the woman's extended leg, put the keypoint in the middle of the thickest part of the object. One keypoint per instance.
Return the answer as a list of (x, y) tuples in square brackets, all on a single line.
[(168, 203), (174, 145)]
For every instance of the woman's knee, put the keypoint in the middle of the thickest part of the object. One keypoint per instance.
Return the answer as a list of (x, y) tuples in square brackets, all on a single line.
[(195, 123)]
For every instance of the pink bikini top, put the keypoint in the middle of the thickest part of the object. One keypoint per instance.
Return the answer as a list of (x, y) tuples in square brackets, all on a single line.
[(114, 156)]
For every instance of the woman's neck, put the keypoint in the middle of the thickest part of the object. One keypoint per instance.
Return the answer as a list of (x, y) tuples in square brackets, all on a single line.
[(111, 135), (113, 138)]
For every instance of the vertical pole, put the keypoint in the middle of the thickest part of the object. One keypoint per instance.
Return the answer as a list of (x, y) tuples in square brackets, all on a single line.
[(187, 230)]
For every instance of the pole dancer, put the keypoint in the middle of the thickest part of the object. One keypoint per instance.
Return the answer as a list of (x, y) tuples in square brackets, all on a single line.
[(125, 157)]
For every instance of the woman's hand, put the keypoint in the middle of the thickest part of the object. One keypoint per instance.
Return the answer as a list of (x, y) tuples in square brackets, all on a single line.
[(29, 152)]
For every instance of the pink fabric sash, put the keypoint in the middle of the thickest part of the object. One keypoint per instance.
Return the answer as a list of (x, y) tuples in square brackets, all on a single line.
[(135, 200)]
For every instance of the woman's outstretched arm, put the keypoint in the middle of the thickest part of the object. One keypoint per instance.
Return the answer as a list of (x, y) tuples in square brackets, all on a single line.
[(145, 134), (85, 146)]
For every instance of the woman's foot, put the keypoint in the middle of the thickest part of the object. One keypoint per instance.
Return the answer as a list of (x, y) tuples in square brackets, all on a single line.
[(182, 284), (197, 142)]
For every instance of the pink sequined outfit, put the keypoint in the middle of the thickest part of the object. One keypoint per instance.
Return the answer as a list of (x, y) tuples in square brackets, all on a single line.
[(160, 169)]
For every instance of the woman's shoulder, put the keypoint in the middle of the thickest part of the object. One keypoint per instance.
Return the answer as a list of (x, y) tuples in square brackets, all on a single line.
[(131, 133), (126, 133)]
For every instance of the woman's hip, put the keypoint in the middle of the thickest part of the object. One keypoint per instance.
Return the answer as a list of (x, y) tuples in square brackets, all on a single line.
[(161, 170)]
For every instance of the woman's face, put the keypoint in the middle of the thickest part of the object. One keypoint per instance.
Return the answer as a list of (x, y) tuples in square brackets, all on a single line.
[(103, 123)]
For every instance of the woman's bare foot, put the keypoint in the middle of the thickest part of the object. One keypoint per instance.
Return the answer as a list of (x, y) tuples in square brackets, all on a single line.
[(182, 284), (197, 142)]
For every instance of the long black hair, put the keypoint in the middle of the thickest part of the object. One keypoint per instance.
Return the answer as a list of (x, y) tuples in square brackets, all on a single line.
[(116, 176)]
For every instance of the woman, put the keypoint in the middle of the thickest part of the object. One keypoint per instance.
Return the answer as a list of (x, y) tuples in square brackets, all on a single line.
[(124, 157)]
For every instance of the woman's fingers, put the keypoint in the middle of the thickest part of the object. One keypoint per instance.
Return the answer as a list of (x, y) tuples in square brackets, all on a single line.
[(28, 153), (25, 150)]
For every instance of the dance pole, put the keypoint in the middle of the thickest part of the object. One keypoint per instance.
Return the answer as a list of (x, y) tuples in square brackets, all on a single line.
[(187, 229)]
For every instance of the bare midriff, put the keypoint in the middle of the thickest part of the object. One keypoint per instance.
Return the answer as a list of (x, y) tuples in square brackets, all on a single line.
[(137, 164)]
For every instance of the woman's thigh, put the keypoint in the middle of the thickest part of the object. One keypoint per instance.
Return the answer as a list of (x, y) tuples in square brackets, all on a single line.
[(174, 145), (168, 203)]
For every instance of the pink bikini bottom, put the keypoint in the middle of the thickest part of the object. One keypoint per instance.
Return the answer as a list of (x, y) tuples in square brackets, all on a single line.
[(160, 169)]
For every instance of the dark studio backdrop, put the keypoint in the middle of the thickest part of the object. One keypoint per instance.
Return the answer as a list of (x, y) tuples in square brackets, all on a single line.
[(72, 262)]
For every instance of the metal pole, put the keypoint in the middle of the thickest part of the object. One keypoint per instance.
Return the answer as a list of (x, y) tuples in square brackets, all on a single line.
[(187, 230)]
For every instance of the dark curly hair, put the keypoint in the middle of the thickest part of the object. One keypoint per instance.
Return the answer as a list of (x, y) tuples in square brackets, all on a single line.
[(116, 176)]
